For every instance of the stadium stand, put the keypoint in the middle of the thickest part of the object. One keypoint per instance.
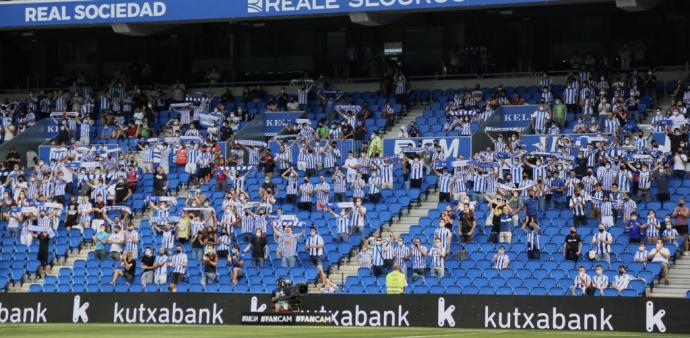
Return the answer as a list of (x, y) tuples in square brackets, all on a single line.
[(169, 167)]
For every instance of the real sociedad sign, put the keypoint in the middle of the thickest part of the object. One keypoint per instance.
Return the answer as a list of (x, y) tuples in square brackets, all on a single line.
[(76, 12)]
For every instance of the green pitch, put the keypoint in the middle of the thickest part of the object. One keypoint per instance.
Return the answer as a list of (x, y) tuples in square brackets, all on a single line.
[(181, 331)]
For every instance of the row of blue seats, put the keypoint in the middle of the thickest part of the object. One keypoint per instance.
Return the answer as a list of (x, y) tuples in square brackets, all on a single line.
[(489, 290), (212, 287), (496, 282)]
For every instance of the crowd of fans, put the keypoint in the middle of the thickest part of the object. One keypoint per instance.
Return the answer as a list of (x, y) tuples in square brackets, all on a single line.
[(90, 185)]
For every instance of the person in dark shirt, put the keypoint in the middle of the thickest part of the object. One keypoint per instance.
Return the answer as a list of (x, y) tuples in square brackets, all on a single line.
[(225, 131), (467, 224), (346, 130), (13, 158), (634, 229), (281, 100), (210, 263), (677, 137), (267, 185), (122, 192), (267, 162), (160, 182), (572, 247), (148, 266), (258, 245), (129, 266), (660, 177), (43, 250), (236, 261)]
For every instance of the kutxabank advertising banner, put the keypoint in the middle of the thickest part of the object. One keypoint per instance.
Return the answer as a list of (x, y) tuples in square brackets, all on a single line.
[(78, 12), (450, 311)]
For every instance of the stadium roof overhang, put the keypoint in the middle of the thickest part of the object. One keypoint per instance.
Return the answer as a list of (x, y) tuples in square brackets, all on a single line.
[(143, 17)]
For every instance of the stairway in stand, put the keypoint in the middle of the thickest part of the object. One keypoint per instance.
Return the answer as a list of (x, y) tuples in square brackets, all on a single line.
[(679, 281), (402, 226)]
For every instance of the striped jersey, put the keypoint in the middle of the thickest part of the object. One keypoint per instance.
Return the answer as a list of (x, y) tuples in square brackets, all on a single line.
[(416, 170), (179, 262), (443, 234), (377, 254), (162, 269), (437, 257), (343, 223), (501, 261), (314, 241), (374, 185), (602, 247), (288, 244), (533, 240), (418, 260), (400, 252), (339, 183), (322, 192), (445, 182), (652, 227), (132, 241), (306, 189)]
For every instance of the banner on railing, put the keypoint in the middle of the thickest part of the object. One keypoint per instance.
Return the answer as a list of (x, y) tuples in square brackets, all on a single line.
[(208, 120), (516, 116), (550, 143), (275, 121), (453, 147), (344, 146)]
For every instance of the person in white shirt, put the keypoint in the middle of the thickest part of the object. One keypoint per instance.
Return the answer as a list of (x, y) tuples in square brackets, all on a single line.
[(622, 279), (678, 119), (661, 255), (351, 167), (116, 240), (679, 161), (641, 255), (501, 260), (364, 256), (601, 243), (582, 281), (600, 280)]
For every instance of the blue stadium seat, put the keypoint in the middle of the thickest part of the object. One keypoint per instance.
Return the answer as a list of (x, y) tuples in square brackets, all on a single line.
[(470, 290), (538, 291)]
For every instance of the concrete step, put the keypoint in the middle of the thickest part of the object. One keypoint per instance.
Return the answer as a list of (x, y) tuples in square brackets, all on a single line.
[(412, 115), (683, 263), (678, 272), (679, 281), (666, 295), (339, 276)]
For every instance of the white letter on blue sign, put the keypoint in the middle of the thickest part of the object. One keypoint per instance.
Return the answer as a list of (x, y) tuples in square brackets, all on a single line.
[(29, 14), (159, 8)]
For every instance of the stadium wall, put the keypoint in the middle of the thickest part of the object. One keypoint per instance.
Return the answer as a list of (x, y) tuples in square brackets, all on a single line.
[(451, 311), (417, 83)]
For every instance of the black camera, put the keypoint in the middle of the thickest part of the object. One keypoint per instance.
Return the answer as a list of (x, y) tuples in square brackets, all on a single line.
[(292, 294)]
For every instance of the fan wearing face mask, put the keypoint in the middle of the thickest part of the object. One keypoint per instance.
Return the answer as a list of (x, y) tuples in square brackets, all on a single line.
[(601, 244), (681, 213), (661, 254)]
